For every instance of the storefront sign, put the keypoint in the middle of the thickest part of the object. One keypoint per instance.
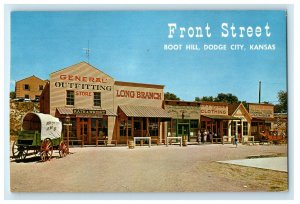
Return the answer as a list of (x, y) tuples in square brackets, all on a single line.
[(189, 112), (138, 94), (77, 82), (213, 110), (263, 111), (89, 112)]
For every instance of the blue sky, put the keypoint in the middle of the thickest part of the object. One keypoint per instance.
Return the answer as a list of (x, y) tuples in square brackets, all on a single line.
[(129, 46)]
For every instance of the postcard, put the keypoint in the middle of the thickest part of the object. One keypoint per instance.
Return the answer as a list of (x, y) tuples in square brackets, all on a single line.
[(149, 101)]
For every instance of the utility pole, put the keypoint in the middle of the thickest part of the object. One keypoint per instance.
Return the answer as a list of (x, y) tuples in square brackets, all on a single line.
[(259, 91)]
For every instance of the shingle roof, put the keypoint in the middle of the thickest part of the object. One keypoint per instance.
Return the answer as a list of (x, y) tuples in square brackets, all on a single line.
[(232, 108), (144, 111)]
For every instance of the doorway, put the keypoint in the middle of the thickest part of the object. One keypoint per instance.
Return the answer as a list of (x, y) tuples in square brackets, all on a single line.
[(84, 129), (183, 129)]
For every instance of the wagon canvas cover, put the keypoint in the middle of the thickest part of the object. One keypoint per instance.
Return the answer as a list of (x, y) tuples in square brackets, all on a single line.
[(49, 126)]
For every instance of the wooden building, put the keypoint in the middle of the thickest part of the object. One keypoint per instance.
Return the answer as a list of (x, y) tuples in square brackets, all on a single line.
[(241, 127), (185, 118), (30, 87), (102, 108), (262, 117)]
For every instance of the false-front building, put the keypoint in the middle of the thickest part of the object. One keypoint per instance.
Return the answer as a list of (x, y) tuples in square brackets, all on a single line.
[(101, 108)]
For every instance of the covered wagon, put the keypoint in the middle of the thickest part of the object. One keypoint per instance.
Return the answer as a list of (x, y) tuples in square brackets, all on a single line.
[(40, 133)]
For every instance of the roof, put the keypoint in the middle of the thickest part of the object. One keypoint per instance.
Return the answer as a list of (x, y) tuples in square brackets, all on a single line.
[(27, 78), (79, 67), (181, 103), (69, 111), (232, 108), (144, 111), (221, 117), (262, 119), (213, 103), (133, 84)]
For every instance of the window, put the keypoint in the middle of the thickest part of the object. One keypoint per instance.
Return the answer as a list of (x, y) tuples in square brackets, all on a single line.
[(26, 96), (245, 128), (233, 128), (153, 126), (225, 128), (194, 124), (41, 87), (70, 98), (97, 99), (122, 128), (26, 87)]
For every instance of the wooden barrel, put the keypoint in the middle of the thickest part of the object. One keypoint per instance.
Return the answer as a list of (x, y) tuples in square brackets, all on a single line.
[(130, 144)]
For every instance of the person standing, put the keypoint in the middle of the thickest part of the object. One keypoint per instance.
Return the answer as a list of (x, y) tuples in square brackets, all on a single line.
[(199, 136), (205, 136), (235, 140)]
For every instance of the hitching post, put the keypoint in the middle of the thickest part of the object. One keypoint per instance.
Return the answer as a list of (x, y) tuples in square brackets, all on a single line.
[(67, 124)]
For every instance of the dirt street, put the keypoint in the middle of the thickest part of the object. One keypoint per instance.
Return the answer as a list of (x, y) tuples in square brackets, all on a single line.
[(143, 169)]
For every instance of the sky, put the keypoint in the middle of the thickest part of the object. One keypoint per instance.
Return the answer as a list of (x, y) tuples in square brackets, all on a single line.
[(130, 46)]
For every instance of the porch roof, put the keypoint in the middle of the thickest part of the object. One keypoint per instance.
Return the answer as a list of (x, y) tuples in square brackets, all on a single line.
[(221, 117), (144, 111)]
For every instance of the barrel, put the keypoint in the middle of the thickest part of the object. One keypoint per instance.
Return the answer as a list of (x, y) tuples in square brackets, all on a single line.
[(130, 144)]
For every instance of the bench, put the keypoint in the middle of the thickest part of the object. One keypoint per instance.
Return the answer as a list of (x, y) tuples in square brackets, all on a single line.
[(248, 137), (216, 140), (105, 142), (142, 138), (171, 138), (75, 140), (158, 141)]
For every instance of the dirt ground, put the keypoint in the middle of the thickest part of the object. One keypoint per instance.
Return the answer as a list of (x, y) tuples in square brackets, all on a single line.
[(143, 169)]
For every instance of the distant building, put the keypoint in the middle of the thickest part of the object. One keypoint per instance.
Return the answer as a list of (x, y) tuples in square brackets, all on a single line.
[(30, 87)]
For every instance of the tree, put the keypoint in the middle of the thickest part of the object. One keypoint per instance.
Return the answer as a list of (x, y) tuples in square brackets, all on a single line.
[(282, 106), (12, 95), (207, 98), (228, 98), (170, 96), (221, 97), (197, 98)]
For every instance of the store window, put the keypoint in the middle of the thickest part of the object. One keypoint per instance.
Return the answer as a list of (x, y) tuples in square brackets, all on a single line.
[(233, 128), (70, 98), (26, 87), (194, 124), (122, 128), (97, 99), (153, 126), (225, 128), (245, 128)]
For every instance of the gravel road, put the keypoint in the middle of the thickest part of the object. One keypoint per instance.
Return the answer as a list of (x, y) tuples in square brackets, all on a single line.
[(143, 169)]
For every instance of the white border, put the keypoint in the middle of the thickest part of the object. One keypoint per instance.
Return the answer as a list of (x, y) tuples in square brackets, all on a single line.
[(160, 5)]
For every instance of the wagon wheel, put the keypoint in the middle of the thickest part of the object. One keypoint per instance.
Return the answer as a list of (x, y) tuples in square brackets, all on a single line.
[(20, 152), (63, 149), (46, 149), (15, 149)]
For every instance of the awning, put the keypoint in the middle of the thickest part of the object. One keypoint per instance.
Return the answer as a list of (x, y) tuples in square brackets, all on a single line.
[(85, 112), (221, 117), (144, 111), (263, 119)]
